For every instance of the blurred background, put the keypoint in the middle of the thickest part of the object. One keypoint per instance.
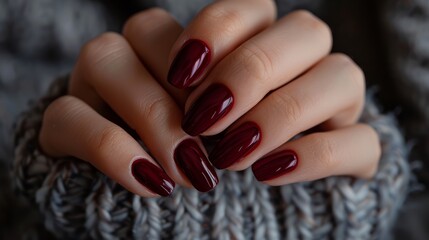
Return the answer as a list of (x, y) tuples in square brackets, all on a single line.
[(389, 39)]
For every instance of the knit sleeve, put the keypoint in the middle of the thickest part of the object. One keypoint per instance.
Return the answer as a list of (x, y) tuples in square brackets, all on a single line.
[(77, 201)]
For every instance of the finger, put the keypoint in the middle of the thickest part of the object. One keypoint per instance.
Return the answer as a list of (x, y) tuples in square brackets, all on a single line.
[(332, 93), (151, 34), (353, 151), (263, 63), (217, 30), (114, 71), (87, 135)]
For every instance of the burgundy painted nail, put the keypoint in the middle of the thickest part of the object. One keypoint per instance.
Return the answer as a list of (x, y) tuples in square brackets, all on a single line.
[(236, 145), (152, 177), (213, 104), (192, 161), (189, 64), (275, 165)]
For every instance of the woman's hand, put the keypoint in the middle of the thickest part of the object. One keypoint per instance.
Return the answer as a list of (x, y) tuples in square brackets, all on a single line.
[(114, 86), (266, 83), (242, 66)]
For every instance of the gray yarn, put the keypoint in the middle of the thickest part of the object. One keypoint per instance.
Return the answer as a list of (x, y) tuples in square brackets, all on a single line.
[(79, 202), (70, 208)]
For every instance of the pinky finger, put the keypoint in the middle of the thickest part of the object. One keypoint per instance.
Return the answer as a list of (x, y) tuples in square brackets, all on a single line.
[(71, 127), (353, 151)]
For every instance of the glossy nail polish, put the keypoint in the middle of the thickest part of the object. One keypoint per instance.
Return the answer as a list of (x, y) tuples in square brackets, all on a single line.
[(211, 106), (194, 164), (189, 64), (275, 165), (152, 177), (235, 145)]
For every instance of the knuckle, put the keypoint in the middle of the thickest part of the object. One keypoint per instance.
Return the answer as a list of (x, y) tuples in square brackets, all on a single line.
[(272, 6), (352, 70), (311, 21), (256, 62), (102, 50), (302, 14), (305, 16), (287, 106), (54, 116), (60, 108), (155, 107), (106, 140), (145, 20), (313, 24), (229, 20), (357, 76), (325, 148)]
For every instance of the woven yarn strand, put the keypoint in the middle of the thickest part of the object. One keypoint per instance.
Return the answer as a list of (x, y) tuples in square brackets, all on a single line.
[(239, 208)]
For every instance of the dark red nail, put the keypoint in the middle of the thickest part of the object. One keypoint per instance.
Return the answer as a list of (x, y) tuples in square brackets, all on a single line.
[(213, 104), (152, 177), (236, 145), (189, 64), (275, 165), (192, 161)]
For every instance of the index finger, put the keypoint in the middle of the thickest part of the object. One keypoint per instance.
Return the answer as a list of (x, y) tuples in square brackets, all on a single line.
[(216, 31)]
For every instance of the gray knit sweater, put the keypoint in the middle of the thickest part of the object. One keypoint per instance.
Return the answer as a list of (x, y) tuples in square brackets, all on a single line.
[(39, 40)]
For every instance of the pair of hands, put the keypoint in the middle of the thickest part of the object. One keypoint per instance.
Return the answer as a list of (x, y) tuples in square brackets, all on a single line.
[(233, 70)]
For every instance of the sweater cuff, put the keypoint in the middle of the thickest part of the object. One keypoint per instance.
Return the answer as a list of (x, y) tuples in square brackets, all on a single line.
[(77, 201)]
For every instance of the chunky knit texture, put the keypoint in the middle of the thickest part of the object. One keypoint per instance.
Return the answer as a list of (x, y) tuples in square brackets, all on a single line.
[(40, 40), (77, 201)]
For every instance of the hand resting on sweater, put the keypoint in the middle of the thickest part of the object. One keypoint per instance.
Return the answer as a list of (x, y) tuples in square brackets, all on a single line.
[(277, 99)]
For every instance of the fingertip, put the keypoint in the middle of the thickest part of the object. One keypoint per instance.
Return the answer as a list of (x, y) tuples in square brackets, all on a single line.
[(189, 64), (216, 31), (152, 177), (192, 161)]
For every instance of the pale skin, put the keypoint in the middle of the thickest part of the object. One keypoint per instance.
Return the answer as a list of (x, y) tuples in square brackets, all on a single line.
[(282, 69)]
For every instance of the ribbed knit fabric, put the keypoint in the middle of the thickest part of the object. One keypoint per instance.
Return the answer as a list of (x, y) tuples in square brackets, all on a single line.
[(78, 202), (41, 39)]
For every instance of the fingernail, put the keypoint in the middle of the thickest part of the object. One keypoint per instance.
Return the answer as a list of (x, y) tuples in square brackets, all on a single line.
[(189, 64), (236, 145), (194, 164), (213, 105), (152, 177), (275, 165)]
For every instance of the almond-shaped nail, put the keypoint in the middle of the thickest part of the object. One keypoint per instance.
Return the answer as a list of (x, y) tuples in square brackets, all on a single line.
[(189, 63), (236, 145), (275, 165), (211, 106), (152, 177), (195, 165)]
